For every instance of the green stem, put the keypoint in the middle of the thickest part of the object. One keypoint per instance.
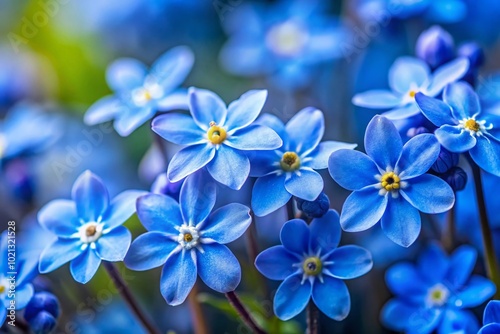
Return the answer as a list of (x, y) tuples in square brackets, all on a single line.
[(243, 313), (290, 210)]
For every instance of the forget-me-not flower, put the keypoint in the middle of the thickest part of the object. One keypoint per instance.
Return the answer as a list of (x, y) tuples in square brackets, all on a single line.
[(188, 239), (462, 125), (435, 293), (407, 77), (491, 318), (311, 265), (390, 183), (216, 136), (88, 228), (139, 93), (290, 170)]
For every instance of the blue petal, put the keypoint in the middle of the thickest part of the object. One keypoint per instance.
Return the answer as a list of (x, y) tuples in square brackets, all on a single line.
[(171, 68), (488, 329), (104, 110), (382, 142), (458, 321), (477, 291), (121, 208), (492, 312), (433, 257), (58, 253), (227, 223), (418, 155), (178, 99), (276, 263), (91, 196), (197, 197), (350, 262), (84, 267), (486, 154), (113, 245), (306, 184), (401, 222), (179, 129), (455, 139), (407, 73), (362, 209), (332, 297), (319, 157), (294, 236), (125, 74), (436, 111), (429, 194), (218, 268), (325, 232), (446, 74), (229, 167), (401, 316), (150, 250), (129, 120), (244, 111), (159, 213), (376, 99), (178, 277), (462, 263), (292, 297), (274, 123), (352, 170), (269, 194), (305, 130), (401, 113), (189, 160), (462, 99), (23, 296), (206, 107), (59, 217), (3, 314), (254, 137), (405, 281), (263, 162)]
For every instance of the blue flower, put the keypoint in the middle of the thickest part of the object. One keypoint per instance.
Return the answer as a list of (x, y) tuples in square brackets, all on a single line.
[(88, 228), (407, 77), (491, 319), (216, 137), (462, 126), (139, 94), (311, 265), (435, 293), (390, 183), (188, 239), (290, 170)]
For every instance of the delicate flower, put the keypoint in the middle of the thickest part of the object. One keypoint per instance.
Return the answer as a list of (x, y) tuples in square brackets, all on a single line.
[(435, 293), (216, 137), (88, 228), (462, 125), (290, 170), (139, 94), (407, 77), (311, 265), (390, 183), (188, 239), (491, 319)]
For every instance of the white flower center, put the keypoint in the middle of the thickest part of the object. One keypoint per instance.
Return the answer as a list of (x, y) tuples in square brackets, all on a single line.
[(90, 232), (474, 127), (4, 285), (287, 39), (189, 236), (150, 91), (438, 295)]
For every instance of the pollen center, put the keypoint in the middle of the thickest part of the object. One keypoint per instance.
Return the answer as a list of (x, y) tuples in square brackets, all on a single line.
[(438, 295), (472, 125), (290, 161), (412, 93), (90, 232), (312, 266), (188, 236), (390, 181), (2, 289), (216, 134)]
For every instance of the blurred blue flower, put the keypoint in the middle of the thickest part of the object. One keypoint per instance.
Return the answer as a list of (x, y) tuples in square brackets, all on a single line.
[(188, 239), (407, 77), (491, 319), (88, 228), (434, 293), (462, 125), (42, 312), (216, 136), (390, 183), (290, 170), (139, 94), (311, 265)]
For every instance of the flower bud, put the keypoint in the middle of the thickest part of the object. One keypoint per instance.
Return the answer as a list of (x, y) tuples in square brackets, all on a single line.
[(445, 161), (435, 46), (316, 208), (412, 132), (41, 302), (456, 177), (474, 52), (162, 185), (43, 323)]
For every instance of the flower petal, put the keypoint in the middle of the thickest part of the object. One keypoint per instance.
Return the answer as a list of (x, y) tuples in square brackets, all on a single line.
[(206, 107), (269, 194), (150, 250), (254, 137), (382, 142), (91, 196), (462, 99), (59, 217), (274, 123), (84, 267), (405, 281), (178, 99), (462, 263), (292, 297), (362, 209), (436, 111), (350, 262), (401, 316), (125, 74), (407, 73), (132, 118), (179, 129), (242, 112), (113, 245), (401, 113), (227, 223), (455, 139), (23, 295), (305, 130), (58, 253), (122, 207), (263, 162), (276, 263), (440, 199), (218, 268), (325, 232), (197, 197), (294, 236), (486, 154), (172, 68), (376, 99), (492, 312), (352, 170), (332, 297), (490, 329), (446, 74), (178, 277), (458, 321), (319, 157), (418, 155), (401, 222), (477, 291), (159, 213), (104, 110), (229, 167), (306, 184), (433, 257), (189, 160)]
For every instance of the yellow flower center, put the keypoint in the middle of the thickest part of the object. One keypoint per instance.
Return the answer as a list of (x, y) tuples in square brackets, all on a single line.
[(312, 266), (188, 237), (412, 93), (390, 181), (290, 161), (147, 95), (216, 134), (90, 230), (438, 295), (472, 125), (2, 288)]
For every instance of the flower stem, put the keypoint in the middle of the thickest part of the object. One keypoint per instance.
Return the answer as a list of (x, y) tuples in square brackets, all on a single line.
[(128, 297), (448, 235), (199, 323), (290, 210), (243, 313), (312, 318)]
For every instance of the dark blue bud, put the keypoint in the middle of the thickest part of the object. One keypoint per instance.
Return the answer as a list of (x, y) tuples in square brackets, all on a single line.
[(456, 177), (474, 52), (445, 161), (41, 302), (19, 180), (435, 46), (316, 208), (162, 185), (43, 323), (412, 132)]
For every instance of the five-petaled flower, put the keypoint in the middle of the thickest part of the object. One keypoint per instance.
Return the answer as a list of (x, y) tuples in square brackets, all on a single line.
[(88, 228), (311, 265), (390, 183), (216, 137), (188, 239), (491, 318)]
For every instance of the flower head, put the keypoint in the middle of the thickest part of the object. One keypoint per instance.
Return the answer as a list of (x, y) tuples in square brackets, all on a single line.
[(491, 319), (390, 183), (311, 265), (88, 228)]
